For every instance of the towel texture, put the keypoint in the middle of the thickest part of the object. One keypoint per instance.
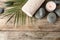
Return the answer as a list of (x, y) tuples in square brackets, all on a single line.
[(31, 6)]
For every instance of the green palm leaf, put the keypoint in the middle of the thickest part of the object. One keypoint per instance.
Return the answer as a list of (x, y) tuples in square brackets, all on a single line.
[(16, 12)]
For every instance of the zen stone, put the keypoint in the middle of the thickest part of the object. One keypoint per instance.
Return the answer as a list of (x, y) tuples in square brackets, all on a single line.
[(57, 12), (51, 17), (1, 10), (57, 2), (40, 13)]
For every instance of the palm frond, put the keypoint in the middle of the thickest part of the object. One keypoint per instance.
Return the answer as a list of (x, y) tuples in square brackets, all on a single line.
[(10, 18), (16, 12)]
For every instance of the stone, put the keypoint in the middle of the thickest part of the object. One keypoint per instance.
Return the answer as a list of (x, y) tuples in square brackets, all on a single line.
[(51, 17), (1, 10), (57, 12), (57, 2), (40, 13)]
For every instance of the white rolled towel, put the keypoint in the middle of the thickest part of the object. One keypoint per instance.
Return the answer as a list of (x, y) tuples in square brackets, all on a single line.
[(31, 6)]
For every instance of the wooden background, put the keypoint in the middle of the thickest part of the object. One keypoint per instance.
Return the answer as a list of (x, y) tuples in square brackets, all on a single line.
[(33, 30), (34, 24)]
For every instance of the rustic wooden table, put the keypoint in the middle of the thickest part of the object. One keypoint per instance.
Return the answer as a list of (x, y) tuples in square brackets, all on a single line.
[(35, 24), (32, 30)]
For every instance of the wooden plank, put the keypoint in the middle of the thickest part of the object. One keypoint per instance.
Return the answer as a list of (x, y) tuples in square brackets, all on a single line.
[(29, 35), (31, 24)]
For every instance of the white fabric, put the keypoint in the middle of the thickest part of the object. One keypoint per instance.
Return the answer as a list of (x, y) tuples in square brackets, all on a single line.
[(31, 6)]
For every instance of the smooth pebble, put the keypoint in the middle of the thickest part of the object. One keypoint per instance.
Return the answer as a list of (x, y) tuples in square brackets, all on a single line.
[(40, 13), (1, 10), (57, 12), (51, 17)]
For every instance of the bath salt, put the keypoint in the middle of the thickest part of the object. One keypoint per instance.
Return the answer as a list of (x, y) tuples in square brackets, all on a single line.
[(50, 6), (31, 6)]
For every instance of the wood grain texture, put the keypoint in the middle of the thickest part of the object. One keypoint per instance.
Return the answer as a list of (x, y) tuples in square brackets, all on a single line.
[(33, 29), (31, 24), (29, 35)]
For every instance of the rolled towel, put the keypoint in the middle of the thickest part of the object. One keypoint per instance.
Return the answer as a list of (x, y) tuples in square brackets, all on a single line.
[(31, 6)]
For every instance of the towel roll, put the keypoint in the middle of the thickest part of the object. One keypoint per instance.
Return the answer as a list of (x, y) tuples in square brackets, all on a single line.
[(31, 6)]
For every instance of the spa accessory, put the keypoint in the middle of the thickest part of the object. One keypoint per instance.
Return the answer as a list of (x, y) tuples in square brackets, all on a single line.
[(50, 6), (31, 6), (57, 12), (57, 2), (40, 13), (51, 17), (1, 10)]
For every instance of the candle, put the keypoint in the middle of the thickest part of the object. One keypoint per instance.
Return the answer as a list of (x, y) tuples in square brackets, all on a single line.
[(31, 6), (50, 6)]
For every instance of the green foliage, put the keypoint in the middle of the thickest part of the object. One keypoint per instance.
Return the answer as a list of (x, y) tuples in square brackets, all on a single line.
[(16, 11)]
